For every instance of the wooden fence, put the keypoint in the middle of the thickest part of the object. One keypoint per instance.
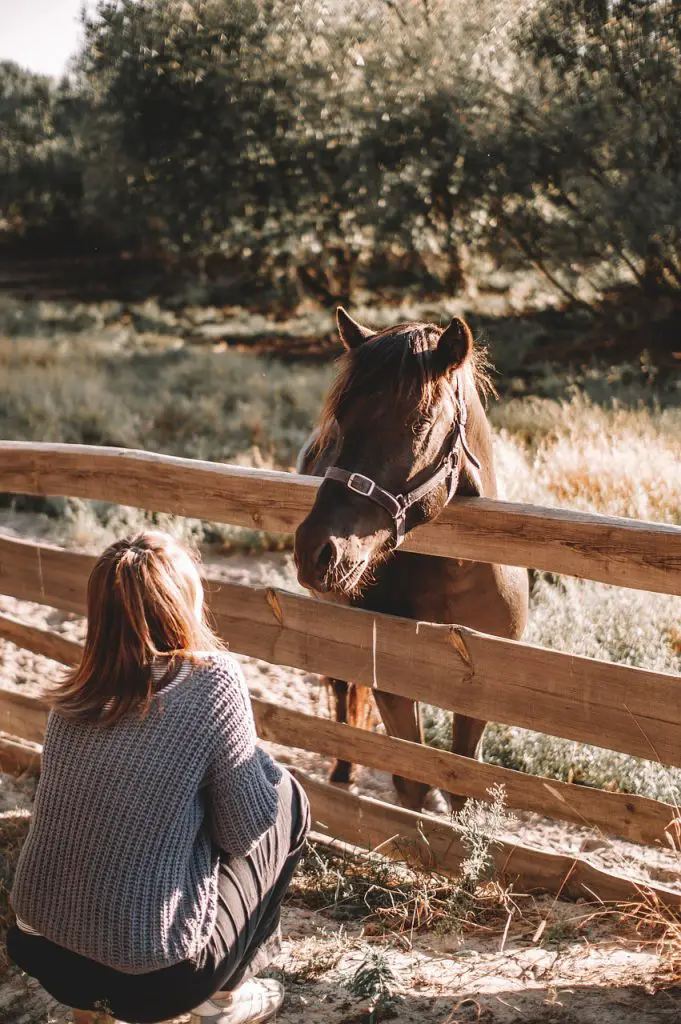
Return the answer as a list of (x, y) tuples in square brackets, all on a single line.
[(625, 709)]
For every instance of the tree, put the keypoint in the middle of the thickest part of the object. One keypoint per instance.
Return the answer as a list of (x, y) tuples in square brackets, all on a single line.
[(589, 166), (40, 163)]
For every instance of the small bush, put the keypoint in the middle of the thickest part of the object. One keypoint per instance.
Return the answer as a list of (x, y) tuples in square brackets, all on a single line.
[(375, 981)]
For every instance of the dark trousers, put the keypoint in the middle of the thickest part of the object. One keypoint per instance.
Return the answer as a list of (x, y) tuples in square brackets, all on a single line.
[(245, 938)]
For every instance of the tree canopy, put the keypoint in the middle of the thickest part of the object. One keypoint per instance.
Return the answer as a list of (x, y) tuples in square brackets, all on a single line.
[(326, 144)]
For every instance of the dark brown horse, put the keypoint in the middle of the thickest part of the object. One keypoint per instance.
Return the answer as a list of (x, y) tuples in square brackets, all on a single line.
[(402, 431)]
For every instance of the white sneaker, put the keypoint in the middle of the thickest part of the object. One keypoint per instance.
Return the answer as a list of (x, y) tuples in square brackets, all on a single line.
[(258, 999)]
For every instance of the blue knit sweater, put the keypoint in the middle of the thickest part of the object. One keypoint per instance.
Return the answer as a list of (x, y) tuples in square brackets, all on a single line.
[(120, 864)]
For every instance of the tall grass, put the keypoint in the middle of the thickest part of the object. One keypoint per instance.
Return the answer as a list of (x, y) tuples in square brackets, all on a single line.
[(196, 403)]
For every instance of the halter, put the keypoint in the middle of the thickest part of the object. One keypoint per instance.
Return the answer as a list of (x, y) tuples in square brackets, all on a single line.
[(397, 505)]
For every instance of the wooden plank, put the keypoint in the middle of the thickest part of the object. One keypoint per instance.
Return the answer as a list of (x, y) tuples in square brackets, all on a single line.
[(625, 552), (613, 706), (22, 716), (430, 842), (635, 818), (18, 756), (47, 575), (40, 641), (618, 814)]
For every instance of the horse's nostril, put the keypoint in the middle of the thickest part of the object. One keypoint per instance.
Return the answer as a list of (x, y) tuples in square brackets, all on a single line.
[(326, 558)]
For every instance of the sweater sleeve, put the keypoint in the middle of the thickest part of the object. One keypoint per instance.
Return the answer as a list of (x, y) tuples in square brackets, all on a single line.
[(241, 797)]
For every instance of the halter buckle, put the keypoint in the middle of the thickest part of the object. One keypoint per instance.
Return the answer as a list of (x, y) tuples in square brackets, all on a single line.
[(361, 484)]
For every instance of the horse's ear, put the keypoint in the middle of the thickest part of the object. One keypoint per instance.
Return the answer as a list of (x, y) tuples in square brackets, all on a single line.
[(454, 346), (351, 333)]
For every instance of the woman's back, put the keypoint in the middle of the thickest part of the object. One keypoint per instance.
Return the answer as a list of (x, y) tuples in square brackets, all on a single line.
[(121, 861)]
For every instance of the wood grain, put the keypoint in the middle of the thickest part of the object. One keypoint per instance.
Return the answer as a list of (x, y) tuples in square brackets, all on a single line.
[(635, 818), (625, 552), (21, 716), (614, 706)]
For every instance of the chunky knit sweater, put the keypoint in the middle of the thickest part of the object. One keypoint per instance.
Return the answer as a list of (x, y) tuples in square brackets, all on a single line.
[(120, 864)]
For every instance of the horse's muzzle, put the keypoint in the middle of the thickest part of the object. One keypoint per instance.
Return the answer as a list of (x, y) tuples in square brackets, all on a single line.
[(316, 565)]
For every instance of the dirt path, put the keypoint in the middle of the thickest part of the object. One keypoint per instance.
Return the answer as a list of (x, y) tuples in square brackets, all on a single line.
[(606, 985)]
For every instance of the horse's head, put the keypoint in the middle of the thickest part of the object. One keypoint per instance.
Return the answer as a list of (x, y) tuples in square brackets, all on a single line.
[(394, 436)]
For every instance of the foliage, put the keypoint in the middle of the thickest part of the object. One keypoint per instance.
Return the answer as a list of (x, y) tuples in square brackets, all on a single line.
[(588, 155), (375, 981), (200, 404), (40, 163), (325, 146), (305, 138), (390, 896), (480, 825)]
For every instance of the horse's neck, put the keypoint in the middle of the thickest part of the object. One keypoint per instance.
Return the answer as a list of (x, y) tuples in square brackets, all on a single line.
[(473, 482)]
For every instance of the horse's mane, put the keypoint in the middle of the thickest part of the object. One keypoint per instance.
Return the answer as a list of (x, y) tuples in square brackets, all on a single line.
[(397, 358)]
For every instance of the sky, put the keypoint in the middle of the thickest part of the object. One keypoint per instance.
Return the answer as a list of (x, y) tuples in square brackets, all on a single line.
[(40, 35)]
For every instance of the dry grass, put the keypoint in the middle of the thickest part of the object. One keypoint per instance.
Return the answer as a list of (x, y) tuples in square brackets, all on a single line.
[(657, 926), (401, 899), (395, 904), (392, 900), (608, 459), (13, 830)]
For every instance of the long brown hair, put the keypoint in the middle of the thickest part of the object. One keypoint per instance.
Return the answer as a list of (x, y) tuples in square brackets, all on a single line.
[(141, 606)]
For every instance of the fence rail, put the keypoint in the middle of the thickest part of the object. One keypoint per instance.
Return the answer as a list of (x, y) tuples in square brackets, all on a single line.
[(631, 817), (626, 709), (417, 838), (435, 844), (625, 552), (425, 840)]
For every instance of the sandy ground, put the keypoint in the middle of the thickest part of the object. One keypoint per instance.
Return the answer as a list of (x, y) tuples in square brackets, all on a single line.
[(581, 977), (582, 971)]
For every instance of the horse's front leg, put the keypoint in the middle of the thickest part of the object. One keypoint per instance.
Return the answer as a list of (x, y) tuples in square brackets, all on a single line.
[(466, 740), (402, 718), (342, 771)]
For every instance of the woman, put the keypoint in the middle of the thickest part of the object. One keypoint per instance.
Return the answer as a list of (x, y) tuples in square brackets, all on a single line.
[(163, 840)]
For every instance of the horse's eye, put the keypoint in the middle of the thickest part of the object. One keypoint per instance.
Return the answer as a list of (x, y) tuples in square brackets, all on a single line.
[(421, 427)]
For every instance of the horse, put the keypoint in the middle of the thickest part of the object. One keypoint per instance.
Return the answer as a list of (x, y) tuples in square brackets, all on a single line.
[(403, 429)]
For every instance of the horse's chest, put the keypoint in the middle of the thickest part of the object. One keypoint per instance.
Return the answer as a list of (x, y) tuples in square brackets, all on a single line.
[(473, 594)]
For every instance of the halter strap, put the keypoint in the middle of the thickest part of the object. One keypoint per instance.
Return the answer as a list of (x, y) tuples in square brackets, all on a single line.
[(397, 505)]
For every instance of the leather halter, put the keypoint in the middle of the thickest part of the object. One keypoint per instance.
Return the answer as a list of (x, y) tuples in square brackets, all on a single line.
[(397, 505)]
